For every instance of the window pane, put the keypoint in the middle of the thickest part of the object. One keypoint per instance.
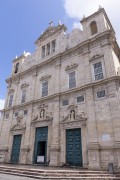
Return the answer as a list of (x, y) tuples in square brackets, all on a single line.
[(25, 112), (43, 51), (23, 96), (10, 100), (53, 46), (98, 72), (48, 49), (72, 80), (101, 94), (45, 88), (80, 99), (65, 102)]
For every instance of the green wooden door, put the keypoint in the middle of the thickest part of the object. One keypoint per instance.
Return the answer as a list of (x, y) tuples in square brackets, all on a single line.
[(16, 148), (40, 147), (73, 147)]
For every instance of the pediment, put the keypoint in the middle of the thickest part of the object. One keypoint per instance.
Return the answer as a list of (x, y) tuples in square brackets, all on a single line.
[(42, 116), (78, 118), (51, 30), (18, 126)]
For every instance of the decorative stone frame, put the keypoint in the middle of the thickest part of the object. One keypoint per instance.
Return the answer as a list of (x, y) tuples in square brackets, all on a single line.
[(12, 133), (38, 124), (64, 125)]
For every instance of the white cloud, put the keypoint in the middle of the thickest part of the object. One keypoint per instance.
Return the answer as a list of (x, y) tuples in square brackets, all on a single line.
[(77, 8), (2, 102), (76, 25)]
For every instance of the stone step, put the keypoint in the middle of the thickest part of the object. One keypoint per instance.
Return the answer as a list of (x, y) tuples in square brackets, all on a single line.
[(56, 170), (58, 174), (54, 174), (63, 178)]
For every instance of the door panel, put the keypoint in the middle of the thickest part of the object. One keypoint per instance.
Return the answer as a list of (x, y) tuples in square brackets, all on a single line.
[(16, 148), (40, 142), (73, 147)]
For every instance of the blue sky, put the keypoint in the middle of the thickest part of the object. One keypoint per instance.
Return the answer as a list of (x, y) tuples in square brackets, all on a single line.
[(22, 21)]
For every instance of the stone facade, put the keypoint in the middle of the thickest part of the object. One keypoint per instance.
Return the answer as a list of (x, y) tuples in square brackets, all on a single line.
[(70, 82)]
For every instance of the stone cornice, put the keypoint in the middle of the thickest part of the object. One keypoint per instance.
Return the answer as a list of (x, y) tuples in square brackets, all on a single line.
[(42, 99), (60, 55)]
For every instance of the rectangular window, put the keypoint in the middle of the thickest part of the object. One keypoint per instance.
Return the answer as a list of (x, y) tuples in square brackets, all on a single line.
[(10, 100), (65, 102), (53, 46), (98, 72), (101, 94), (43, 51), (25, 112), (16, 114), (80, 99), (45, 88), (48, 49), (72, 80), (23, 98)]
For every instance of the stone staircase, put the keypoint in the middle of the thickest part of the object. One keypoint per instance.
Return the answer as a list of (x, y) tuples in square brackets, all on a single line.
[(58, 174)]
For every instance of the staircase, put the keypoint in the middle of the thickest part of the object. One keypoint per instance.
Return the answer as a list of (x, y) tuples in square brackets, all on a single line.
[(57, 174)]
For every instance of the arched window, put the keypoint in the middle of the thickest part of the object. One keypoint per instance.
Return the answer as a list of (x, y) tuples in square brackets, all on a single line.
[(16, 68), (93, 27)]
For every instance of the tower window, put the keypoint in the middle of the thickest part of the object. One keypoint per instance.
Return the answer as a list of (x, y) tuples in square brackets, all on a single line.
[(43, 51), (53, 46), (48, 49), (93, 27), (10, 100), (16, 68)]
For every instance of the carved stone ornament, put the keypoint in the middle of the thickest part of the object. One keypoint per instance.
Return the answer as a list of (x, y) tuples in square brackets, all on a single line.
[(45, 77), (95, 57), (42, 115), (42, 106), (11, 91), (19, 125), (73, 116), (74, 65), (24, 85)]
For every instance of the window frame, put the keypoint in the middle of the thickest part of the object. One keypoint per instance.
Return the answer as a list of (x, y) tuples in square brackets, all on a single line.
[(92, 69), (46, 81), (10, 102), (23, 96), (64, 101), (100, 91), (24, 112), (81, 101), (71, 78)]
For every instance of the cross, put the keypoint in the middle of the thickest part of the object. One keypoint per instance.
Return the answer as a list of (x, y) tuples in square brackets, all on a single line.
[(51, 22)]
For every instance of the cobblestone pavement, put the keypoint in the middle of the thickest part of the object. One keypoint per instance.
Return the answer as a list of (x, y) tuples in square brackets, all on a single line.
[(11, 177)]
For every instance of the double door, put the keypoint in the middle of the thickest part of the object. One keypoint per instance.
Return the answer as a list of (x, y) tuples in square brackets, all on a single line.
[(73, 147)]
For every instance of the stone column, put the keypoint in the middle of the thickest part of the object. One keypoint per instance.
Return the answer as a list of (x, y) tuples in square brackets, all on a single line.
[(55, 143), (93, 145), (114, 99)]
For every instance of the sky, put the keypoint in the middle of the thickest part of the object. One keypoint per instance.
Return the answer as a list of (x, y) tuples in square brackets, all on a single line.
[(22, 22)]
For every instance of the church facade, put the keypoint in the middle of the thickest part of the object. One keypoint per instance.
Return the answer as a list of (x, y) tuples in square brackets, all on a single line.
[(63, 101)]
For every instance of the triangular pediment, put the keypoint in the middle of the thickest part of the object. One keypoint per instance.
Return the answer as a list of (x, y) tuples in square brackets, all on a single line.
[(78, 118), (18, 126), (51, 30)]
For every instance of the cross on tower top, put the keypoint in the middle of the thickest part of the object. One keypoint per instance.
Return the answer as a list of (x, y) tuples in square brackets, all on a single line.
[(51, 23)]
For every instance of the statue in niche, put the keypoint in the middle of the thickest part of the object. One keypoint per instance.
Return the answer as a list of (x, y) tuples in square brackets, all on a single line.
[(72, 114), (42, 114)]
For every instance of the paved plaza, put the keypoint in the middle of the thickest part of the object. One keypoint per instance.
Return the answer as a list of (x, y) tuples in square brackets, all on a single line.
[(11, 177)]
